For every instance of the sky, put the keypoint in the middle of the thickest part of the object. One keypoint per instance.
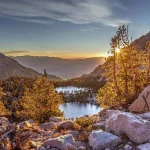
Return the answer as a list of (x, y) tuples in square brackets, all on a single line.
[(68, 28)]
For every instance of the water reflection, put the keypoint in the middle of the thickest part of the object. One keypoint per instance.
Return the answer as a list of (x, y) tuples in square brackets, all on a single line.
[(74, 110), (69, 89)]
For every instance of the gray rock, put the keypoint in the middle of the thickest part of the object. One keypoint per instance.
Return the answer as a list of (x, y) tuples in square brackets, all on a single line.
[(136, 128), (48, 126), (69, 125), (144, 147), (60, 142), (142, 103), (55, 119), (73, 133), (42, 148), (32, 144), (127, 147), (99, 126), (101, 140), (145, 116), (25, 124), (81, 148)]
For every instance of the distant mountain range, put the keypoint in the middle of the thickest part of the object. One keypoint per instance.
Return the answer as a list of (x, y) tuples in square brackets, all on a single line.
[(10, 67), (64, 68)]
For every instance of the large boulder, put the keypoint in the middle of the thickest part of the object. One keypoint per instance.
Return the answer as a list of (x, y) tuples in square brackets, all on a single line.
[(142, 103), (69, 125), (102, 140), (62, 142), (136, 128)]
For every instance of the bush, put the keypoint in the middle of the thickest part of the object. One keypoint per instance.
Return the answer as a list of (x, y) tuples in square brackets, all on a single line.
[(86, 122), (3, 110)]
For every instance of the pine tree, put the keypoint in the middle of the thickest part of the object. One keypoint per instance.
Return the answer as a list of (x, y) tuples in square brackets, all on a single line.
[(39, 102), (126, 72)]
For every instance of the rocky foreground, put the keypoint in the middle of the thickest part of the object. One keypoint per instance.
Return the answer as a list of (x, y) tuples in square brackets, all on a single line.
[(111, 130), (120, 131)]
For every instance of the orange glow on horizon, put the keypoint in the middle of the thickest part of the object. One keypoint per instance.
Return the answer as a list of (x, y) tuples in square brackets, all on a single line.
[(65, 54)]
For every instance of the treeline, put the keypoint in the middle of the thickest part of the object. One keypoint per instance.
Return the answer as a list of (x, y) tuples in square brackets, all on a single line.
[(127, 71), (86, 96), (29, 98), (86, 81)]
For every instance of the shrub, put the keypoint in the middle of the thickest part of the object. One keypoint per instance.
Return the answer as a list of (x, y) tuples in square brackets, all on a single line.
[(39, 102), (86, 122), (3, 110)]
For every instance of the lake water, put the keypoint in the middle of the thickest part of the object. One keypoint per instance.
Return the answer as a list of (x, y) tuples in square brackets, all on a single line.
[(69, 89), (74, 110)]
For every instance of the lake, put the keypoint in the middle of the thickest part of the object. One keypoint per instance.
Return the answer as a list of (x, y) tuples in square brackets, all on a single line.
[(74, 110), (69, 89)]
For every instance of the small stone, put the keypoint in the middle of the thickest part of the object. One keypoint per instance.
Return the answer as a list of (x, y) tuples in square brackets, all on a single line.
[(55, 119), (42, 148), (71, 147), (25, 124), (69, 125), (13, 145), (48, 146), (32, 144), (48, 126), (81, 148), (99, 126), (127, 147), (129, 143)]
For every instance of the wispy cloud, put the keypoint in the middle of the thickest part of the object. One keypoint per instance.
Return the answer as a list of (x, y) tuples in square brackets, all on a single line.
[(14, 52), (33, 53), (74, 11), (60, 54)]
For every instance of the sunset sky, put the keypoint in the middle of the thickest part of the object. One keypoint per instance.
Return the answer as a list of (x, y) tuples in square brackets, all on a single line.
[(68, 28)]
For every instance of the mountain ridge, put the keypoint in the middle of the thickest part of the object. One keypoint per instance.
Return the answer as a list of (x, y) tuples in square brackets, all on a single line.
[(140, 42), (64, 68), (10, 67)]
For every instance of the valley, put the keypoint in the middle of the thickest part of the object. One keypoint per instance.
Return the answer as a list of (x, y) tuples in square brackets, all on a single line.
[(63, 86), (64, 68)]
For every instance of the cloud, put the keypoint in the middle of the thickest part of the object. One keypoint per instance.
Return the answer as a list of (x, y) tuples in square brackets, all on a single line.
[(116, 23), (73, 11), (60, 53), (34, 53), (15, 52), (90, 29)]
